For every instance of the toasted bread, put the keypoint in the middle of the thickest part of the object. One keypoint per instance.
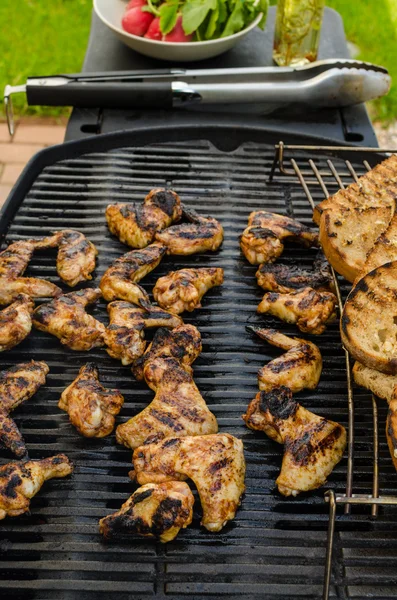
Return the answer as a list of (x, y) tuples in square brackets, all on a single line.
[(384, 249), (380, 384), (347, 233), (383, 176), (369, 320), (391, 429)]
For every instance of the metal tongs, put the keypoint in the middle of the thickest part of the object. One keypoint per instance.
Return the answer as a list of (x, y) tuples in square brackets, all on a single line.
[(325, 83)]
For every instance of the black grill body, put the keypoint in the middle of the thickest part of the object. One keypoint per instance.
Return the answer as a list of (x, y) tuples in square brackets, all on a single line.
[(275, 547)]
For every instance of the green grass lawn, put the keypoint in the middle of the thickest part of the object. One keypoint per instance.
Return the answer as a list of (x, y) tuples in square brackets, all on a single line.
[(40, 37)]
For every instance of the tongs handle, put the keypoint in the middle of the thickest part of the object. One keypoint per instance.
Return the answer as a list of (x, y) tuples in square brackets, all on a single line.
[(106, 95)]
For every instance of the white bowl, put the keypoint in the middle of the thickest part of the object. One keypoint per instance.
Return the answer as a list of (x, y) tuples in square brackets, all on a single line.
[(111, 12)]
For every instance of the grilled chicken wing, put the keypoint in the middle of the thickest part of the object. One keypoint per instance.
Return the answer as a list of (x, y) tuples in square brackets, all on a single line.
[(263, 240), (18, 384), (125, 334), (215, 463), (66, 318), (199, 235), (283, 278), (120, 281), (91, 407), (155, 510), (312, 445), (182, 343), (137, 224), (182, 290), (13, 263), (19, 482), (310, 310), (299, 368), (16, 322), (178, 409)]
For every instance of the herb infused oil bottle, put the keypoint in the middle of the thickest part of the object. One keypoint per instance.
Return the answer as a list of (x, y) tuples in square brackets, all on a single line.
[(297, 32)]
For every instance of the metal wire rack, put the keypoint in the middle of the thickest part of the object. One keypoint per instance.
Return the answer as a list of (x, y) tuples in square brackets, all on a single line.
[(314, 177)]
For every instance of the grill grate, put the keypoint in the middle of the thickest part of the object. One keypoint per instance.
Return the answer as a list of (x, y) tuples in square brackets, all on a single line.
[(275, 547)]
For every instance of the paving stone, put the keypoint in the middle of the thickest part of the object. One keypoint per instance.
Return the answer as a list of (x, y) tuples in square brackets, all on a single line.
[(4, 135), (11, 172), (47, 135), (4, 191), (17, 153)]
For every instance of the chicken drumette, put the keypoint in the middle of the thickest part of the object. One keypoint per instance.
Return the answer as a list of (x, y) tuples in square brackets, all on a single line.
[(182, 290), (91, 407), (19, 482), (215, 463), (310, 310), (284, 278), (263, 240), (120, 281), (125, 334), (136, 224), (13, 263), (157, 510), (201, 234), (299, 368), (18, 384), (66, 318), (312, 445), (16, 322)]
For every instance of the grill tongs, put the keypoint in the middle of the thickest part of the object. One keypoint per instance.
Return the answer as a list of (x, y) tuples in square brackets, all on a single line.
[(325, 83)]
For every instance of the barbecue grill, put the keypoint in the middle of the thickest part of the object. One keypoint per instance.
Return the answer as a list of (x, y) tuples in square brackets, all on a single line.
[(275, 547)]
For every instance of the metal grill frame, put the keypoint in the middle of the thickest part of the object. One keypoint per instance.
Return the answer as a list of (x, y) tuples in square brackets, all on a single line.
[(305, 178)]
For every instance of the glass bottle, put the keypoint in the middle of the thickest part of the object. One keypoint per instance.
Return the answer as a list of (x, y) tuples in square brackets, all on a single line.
[(297, 32)]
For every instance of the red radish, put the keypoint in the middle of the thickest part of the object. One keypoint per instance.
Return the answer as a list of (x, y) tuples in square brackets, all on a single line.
[(177, 34), (133, 3), (136, 21), (154, 31)]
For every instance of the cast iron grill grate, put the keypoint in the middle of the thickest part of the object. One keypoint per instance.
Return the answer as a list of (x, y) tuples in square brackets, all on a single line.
[(275, 548)]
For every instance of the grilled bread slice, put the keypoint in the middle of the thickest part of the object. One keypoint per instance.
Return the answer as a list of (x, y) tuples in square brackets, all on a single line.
[(384, 249), (380, 384), (369, 320), (383, 176), (391, 429)]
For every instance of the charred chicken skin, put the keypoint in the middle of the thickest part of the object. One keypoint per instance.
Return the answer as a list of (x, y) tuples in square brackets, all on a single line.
[(201, 234), (155, 510), (313, 446), (299, 368), (125, 334), (120, 281), (310, 310), (18, 384), (13, 263), (182, 343), (283, 278), (19, 482), (182, 290), (263, 240), (16, 322), (215, 463), (136, 224), (66, 318), (91, 407)]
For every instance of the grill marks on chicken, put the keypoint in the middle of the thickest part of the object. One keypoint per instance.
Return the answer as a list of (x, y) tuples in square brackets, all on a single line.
[(298, 369), (120, 281), (136, 224), (313, 446), (16, 322), (19, 482), (125, 334), (18, 384), (201, 234), (91, 407), (283, 278), (13, 263), (215, 463), (66, 318), (309, 309), (263, 240), (154, 510), (182, 290), (178, 409)]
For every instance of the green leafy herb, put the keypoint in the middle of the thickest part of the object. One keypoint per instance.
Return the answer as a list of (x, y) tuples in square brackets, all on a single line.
[(168, 16)]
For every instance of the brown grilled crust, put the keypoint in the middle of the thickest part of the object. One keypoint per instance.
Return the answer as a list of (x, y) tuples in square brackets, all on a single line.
[(391, 431)]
